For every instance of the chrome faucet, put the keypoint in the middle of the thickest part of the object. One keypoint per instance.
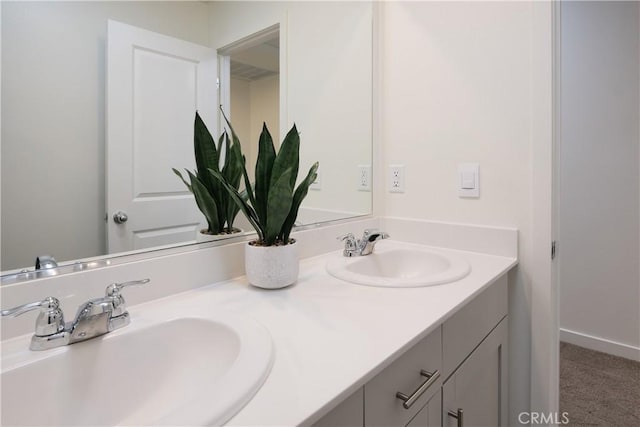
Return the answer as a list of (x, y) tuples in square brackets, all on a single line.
[(360, 247), (45, 262), (95, 317), (46, 266)]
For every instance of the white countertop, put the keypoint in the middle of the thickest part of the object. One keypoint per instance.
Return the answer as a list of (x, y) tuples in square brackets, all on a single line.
[(331, 336)]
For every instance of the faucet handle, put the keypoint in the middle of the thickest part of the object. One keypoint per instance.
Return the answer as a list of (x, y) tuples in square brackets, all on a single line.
[(50, 320), (348, 236), (350, 244), (114, 289), (117, 303)]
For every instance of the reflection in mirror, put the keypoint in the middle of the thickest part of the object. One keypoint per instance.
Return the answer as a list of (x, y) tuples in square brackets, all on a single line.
[(68, 141), (254, 84)]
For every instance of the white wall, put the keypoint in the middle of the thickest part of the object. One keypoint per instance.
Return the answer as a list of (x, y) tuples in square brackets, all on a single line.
[(252, 103), (53, 102), (457, 85), (325, 87), (265, 108), (600, 181), (241, 115)]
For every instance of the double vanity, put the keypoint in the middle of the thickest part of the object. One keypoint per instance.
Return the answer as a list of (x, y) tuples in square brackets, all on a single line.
[(408, 335)]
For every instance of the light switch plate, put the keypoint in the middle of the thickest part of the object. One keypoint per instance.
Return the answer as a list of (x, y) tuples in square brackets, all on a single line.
[(469, 180)]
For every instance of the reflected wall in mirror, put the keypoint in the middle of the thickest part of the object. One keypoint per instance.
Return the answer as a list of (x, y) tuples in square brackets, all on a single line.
[(55, 115)]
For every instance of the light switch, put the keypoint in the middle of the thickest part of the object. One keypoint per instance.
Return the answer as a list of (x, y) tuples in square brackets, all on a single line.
[(468, 180)]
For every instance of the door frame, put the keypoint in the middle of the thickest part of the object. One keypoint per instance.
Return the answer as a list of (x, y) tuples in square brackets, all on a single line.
[(545, 344), (224, 69)]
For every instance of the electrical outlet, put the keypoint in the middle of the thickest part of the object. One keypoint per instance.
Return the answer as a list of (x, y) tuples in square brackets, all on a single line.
[(364, 178), (396, 179), (317, 184)]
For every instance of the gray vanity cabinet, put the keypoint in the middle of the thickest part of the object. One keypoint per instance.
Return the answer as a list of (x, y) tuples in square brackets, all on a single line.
[(475, 360), (348, 413), (416, 374), (478, 387), (430, 414), (461, 365)]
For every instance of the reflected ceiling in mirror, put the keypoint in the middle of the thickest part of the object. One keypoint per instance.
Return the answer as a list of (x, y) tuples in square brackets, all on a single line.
[(55, 116)]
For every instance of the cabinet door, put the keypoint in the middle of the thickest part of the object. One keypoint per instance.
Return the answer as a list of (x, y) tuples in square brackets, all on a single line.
[(429, 416), (478, 388)]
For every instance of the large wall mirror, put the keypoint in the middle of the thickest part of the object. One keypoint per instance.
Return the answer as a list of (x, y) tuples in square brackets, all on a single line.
[(84, 122)]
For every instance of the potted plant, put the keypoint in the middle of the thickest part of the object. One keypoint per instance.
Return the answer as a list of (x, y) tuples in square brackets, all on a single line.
[(213, 200), (271, 207)]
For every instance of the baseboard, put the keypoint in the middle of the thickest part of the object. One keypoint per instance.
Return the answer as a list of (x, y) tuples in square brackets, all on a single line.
[(600, 344)]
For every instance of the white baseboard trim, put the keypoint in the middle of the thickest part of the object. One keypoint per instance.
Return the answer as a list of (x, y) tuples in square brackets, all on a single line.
[(600, 344)]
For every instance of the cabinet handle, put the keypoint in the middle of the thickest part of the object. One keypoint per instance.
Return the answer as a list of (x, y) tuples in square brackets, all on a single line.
[(458, 416), (408, 401)]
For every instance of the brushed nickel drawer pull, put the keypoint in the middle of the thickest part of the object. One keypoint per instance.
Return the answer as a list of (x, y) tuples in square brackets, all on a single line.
[(408, 401), (458, 416)]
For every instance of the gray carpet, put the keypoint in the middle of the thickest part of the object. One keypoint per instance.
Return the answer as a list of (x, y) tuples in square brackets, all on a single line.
[(597, 389)]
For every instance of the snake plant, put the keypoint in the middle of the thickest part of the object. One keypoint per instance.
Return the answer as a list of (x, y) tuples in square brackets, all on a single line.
[(213, 200), (271, 204)]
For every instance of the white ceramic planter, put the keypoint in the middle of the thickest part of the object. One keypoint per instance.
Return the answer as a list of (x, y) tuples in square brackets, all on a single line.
[(272, 267), (204, 237)]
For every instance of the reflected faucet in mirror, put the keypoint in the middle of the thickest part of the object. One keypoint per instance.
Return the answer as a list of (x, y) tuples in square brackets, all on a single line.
[(45, 262), (95, 317)]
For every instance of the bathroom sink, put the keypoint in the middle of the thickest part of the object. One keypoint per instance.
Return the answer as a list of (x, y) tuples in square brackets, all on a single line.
[(400, 265), (179, 371)]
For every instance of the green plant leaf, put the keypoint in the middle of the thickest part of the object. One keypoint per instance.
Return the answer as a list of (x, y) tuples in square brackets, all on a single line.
[(234, 136), (206, 204), (207, 156), (221, 140), (227, 148), (232, 173), (247, 185), (278, 206), (288, 157), (246, 209), (298, 197), (264, 167), (177, 172)]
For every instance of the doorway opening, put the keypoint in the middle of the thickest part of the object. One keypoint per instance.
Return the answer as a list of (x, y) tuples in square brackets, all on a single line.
[(250, 82)]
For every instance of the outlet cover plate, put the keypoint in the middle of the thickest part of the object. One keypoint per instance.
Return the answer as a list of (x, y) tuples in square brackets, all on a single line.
[(364, 178), (396, 178)]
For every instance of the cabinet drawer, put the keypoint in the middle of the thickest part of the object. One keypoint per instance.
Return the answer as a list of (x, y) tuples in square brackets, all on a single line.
[(462, 332), (382, 407)]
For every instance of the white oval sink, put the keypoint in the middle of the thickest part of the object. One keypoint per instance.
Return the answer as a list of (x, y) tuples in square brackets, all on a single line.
[(183, 371), (401, 265)]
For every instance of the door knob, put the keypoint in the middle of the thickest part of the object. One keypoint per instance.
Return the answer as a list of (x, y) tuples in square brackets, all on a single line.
[(120, 217)]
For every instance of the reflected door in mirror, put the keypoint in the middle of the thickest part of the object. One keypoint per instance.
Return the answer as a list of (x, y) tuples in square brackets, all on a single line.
[(154, 85)]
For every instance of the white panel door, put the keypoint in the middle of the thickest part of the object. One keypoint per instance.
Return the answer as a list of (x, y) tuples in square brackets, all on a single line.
[(155, 83)]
